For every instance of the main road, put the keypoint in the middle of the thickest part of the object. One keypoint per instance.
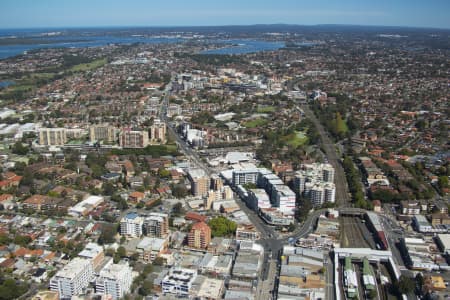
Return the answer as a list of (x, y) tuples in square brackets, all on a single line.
[(269, 239), (342, 193)]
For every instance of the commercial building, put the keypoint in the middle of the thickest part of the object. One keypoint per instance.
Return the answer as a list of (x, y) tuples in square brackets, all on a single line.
[(247, 233), (274, 217), (156, 225), (211, 289), (131, 225), (129, 138), (52, 136), (73, 278), (199, 182), (421, 224), (84, 207), (443, 241), (179, 281), (284, 199), (103, 133), (114, 280), (241, 177), (199, 236), (248, 261), (280, 195), (257, 199)]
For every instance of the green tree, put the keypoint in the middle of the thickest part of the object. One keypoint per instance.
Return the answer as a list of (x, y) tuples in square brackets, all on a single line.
[(443, 182), (405, 285), (107, 236), (159, 261), (19, 149), (163, 173), (121, 251), (179, 191), (146, 288), (221, 226)]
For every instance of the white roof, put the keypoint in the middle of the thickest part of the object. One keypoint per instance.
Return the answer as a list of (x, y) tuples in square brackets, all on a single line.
[(150, 243), (445, 240), (73, 268)]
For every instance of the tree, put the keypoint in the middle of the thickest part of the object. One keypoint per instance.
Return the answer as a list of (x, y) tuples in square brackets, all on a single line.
[(179, 191), (121, 251), (443, 182), (19, 149), (146, 288), (12, 289), (291, 227), (249, 186), (107, 236), (163, 173), (159, 261), (221, 226), (405, 284), (372, 294), (177, 209)]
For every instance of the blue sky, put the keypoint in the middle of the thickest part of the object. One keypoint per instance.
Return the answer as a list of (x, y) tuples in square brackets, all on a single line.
[(85, 13)]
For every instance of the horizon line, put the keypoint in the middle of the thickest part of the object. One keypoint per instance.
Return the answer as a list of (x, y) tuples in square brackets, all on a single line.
[(229, 25)]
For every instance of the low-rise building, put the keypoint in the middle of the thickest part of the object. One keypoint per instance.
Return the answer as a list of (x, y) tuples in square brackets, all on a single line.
[(150, 248), (247, 233), (178, 281)]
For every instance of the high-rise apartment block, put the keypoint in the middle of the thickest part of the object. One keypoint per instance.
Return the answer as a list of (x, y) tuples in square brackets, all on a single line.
[(315, 182), (52, 136), (129, 138), (114, 280), (131, 225), (73, 278), (103, 133), (199, 182), (156, 225), (158, 132), (199, 236)]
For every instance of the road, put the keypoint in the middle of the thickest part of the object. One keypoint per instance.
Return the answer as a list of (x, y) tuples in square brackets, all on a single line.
[(342, 196), (186, 149), (270, 240)]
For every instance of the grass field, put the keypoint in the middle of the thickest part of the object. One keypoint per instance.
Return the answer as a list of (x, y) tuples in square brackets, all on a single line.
[(266, 109), (89, 66), (255, 123), (296, 139)]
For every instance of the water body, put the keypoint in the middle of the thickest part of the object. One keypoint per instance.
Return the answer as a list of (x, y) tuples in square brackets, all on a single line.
[(96, 39), (6, 83), (245, 46), (82, 42)]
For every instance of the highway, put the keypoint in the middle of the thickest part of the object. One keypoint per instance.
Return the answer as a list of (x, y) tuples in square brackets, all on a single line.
[(342, 196)]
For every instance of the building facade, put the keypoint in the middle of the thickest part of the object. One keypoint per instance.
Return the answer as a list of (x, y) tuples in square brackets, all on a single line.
[(114, 280), (133, 138), (52, 136), (131, 225), (102, 133), (156, 225), (199, 182), (73, 278), (199, 236)]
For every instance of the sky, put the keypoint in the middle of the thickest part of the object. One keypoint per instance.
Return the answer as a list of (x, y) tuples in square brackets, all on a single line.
[(92, 13)]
